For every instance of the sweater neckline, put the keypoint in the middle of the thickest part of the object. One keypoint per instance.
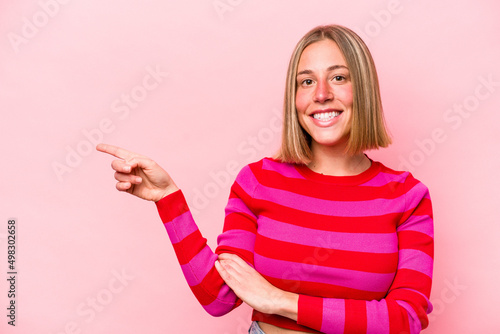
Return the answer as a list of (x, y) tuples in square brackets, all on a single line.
[(341, 180)]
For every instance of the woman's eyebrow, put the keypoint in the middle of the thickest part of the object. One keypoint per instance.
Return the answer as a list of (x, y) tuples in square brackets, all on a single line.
[(331, 68)]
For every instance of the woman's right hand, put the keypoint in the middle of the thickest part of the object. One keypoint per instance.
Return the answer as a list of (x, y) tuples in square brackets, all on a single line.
[(139, 175)]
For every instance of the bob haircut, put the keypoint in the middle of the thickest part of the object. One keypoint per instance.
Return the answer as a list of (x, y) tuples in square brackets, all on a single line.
[(368, 130)]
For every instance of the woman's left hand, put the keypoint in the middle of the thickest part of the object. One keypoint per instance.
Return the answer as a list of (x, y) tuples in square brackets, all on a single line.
[(254, 289)]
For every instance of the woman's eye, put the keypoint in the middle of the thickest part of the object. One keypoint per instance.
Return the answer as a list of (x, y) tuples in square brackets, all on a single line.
[(338, 78), (307, 82)]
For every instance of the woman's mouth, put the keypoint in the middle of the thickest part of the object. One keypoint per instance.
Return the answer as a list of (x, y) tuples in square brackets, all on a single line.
[(326, 116)]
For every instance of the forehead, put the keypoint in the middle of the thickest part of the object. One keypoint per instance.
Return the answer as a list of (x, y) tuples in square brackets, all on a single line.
[(320, 55)]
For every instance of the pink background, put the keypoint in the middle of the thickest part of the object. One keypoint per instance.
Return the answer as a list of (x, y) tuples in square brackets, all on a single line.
[(67, 68)]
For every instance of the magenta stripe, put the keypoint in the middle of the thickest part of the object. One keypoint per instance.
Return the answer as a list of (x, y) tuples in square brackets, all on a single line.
[(247, 180), (413, 320), (356, 242), (415, 195), (373, 282), (429, 304), (180, 227), (286, 170), (199, 266), (223, 303), (237, 205), (240, 238), (381, 179), (414, 223), (308, 204), (333, 315), (377, 317), (415, 260)]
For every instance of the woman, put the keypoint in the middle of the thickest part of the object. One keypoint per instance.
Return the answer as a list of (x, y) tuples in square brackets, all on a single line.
[(319, 239)]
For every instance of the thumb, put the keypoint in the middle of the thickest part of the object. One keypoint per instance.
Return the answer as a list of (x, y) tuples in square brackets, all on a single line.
[(141, 162)]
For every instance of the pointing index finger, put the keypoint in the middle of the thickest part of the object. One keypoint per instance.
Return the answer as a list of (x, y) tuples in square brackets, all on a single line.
[(116, 151)]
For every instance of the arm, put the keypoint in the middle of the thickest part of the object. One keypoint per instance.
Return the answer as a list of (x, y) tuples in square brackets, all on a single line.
[(196, 258), (403, 310), (144, 178)]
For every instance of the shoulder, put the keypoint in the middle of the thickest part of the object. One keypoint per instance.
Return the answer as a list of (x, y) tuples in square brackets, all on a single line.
[(268, 168), (399, 179), (269, 164), (402, 181)]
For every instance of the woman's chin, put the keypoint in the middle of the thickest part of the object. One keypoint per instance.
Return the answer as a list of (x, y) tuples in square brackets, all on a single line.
[(329, 142)]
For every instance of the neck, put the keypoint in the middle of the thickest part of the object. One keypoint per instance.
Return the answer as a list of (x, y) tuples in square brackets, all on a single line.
[(331, 160)]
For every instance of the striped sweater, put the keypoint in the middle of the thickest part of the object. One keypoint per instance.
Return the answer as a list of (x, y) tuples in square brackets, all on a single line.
[(357, 249)]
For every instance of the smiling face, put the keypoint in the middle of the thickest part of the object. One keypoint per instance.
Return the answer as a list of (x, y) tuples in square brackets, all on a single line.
[(324, 94)]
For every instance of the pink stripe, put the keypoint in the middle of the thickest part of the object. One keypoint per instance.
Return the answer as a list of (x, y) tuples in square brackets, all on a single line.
[(240, 239), (381, 179), (287, 170), (429, 304), (225, 301), (414, 223), (368, 208), (333, 315), (237, 205), (415, 260), (356, 242), (247, 180), (415, 195), (413, 320), (377, 317), (199, 266), (354, 279), (180, 227)]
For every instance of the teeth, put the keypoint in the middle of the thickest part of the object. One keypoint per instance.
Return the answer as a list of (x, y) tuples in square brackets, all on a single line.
[(326, 116)]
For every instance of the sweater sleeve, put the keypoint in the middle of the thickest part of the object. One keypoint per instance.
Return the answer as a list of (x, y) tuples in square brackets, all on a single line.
[(406, 305), (195, 256)]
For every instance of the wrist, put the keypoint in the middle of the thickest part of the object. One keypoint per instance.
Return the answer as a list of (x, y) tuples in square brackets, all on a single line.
[(287, 305), (168, 191)]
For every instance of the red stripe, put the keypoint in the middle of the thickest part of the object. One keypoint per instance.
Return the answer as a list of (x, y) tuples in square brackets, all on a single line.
[(416, 240), (280, 321), (355, 316), (424, 208), (411, 182), (327, 290), (238, 192), (412, 279), (332, 192), (361, 261), (240, 221), (374, 224), (208, 289), (188, 247), (407, 295), (310, 311), (172, 206), (242, 253), (415, 300), (398, 318)]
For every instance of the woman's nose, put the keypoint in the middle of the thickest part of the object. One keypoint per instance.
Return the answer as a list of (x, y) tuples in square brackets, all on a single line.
[(323, 92)]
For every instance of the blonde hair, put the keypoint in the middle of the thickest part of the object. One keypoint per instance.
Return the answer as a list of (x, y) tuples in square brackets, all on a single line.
[(368, 130)]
